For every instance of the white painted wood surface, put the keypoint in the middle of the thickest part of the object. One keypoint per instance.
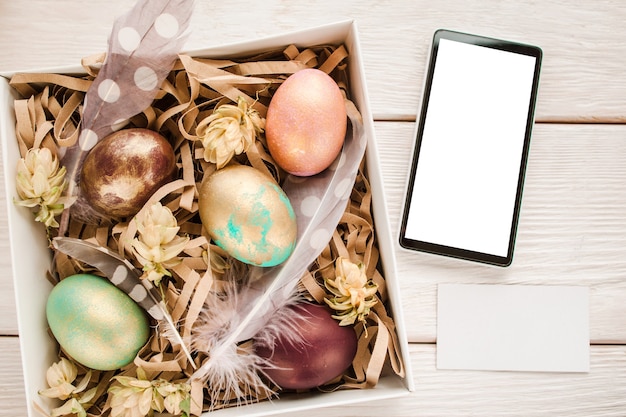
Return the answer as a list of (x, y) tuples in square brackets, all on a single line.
[(573, 224), (572, 227), (582, 42)]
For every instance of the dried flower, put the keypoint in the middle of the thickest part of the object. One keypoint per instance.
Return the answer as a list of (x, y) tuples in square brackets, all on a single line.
[(175, 397), (132, 399), (217, 262), (70, 408), (353, 295), (137, 397), (158, 244), (60, 377), (229, 131), (40, 182)]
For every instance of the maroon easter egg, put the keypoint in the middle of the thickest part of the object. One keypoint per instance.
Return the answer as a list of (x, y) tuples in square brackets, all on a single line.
[(326, 351)]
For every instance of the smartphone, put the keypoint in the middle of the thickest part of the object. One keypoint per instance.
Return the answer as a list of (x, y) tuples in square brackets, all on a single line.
[(465, 183)]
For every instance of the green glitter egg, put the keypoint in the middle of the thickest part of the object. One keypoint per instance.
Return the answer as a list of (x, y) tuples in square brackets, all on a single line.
[(96, 323), (248, 215)]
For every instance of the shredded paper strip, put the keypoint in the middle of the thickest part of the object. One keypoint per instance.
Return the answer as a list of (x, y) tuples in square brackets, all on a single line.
[(49, 115)]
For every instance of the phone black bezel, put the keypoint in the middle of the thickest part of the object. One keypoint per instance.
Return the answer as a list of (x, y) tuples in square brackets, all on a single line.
[(504, 45)]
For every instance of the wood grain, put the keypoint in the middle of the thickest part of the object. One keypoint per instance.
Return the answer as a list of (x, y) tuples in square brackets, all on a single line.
[(599, 393), (572, 229), (573, 223), (12, 397), (8, 314), (582, 78)]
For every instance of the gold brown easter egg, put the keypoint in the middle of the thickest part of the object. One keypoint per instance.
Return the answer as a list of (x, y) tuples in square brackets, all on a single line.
[(124, 169)]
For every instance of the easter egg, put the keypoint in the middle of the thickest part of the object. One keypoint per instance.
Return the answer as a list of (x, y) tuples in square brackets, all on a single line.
[(248, 215), (325, 352), (124, 169), (306, 123), (96, 323)]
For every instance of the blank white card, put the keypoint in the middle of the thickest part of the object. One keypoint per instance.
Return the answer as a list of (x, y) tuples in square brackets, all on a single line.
[(513, 328)]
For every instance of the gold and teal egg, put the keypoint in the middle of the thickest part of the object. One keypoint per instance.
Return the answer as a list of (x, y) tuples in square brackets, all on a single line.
[(96, 323), (247, 214)]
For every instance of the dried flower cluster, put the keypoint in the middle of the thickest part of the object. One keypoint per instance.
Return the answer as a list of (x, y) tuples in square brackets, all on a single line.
[(61, 376), (353, 295), (40, 183), (137, 397), (229, 131), (158, 244)]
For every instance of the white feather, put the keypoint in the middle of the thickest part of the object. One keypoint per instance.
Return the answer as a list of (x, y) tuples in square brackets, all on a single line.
[(254, 309), (238, 372)]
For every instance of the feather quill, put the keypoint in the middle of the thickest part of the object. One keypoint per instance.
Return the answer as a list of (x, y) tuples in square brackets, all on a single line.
[(260, 302), (143, 47), (237, 373), (126, 277)]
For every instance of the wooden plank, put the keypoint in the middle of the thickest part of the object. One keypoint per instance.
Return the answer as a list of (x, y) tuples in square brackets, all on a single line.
[(444, 393), (12, 396), (8, 313), (572, 228), (582, 80), (481, 393)]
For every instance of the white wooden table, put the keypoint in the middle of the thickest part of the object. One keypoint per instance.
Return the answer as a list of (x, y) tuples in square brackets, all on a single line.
[(573, 225)]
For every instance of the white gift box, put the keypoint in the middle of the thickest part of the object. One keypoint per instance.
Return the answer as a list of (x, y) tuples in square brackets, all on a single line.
[(31, 257)]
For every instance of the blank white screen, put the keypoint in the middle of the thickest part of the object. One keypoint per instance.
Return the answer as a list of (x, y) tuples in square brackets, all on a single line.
[(470, 155)]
